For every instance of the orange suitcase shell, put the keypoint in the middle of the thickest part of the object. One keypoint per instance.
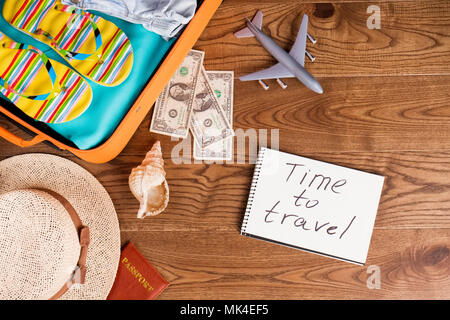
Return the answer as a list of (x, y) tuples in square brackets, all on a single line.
[(130, 123)]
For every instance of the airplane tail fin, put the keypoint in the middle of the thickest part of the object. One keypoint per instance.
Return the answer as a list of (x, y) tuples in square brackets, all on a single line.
[(257, 21)]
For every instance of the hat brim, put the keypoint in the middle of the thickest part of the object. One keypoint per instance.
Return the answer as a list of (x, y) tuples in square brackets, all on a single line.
[(90, 200)]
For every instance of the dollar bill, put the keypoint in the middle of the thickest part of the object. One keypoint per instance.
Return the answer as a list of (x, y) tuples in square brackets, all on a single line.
[(209, 123), (173, 108), (222, 82)]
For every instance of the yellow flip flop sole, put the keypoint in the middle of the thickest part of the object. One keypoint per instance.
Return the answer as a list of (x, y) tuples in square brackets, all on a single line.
[(93, 46), (43, 89)]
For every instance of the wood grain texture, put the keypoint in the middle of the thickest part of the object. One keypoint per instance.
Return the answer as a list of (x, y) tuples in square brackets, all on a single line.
[(385, 110), (221, 265), (213, 197), (413, 39), (354, 114)]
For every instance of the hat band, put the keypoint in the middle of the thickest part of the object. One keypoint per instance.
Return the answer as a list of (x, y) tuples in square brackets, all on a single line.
[(79, 274)]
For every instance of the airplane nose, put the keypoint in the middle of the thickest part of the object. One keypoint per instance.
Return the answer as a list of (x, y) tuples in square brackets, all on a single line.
[(316, 87), (319, 90)]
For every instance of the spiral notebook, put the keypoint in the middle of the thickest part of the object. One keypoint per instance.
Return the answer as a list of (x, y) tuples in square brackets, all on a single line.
[(313, 206)]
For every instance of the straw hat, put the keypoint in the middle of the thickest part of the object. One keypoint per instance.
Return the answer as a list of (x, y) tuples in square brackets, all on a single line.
[(59, 233)]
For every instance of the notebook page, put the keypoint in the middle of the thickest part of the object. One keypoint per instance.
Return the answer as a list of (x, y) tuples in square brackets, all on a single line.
[(313, 205)]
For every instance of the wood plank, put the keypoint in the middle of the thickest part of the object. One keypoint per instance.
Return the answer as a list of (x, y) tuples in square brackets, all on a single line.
[(368, 114), (413, 38), (414, 264), (239, 2), (213, 197), (354, 114)]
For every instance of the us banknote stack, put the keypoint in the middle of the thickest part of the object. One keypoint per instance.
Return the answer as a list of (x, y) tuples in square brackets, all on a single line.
[(201, 102)]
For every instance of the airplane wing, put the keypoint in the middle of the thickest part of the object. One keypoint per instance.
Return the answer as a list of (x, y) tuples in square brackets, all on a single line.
[(274, 72), (278, 70), (299, 47)]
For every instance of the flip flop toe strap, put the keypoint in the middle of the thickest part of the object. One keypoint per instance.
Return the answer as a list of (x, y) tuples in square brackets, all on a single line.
[(48, 65), (70, 25)]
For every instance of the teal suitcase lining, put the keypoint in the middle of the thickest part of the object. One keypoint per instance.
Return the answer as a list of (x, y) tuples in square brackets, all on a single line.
[(110, 104)]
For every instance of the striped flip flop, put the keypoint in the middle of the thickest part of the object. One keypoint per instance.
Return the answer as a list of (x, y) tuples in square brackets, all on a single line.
[(44, 89), (93, 46)]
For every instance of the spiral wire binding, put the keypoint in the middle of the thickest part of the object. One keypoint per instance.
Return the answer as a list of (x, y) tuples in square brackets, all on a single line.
[(251, 195)]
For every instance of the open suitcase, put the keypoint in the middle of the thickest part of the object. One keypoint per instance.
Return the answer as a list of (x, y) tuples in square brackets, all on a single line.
[(111, 148)]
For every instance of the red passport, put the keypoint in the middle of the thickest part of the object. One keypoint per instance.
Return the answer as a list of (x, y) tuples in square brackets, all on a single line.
[(136, 278)]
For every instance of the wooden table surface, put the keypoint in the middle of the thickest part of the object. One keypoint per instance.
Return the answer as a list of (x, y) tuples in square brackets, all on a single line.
[(385, 110)]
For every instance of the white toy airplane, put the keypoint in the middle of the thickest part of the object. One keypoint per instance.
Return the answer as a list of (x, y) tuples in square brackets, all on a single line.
[(289, 65)]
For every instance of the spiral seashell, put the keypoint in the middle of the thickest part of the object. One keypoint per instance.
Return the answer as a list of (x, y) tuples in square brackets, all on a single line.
[(149, 185)]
